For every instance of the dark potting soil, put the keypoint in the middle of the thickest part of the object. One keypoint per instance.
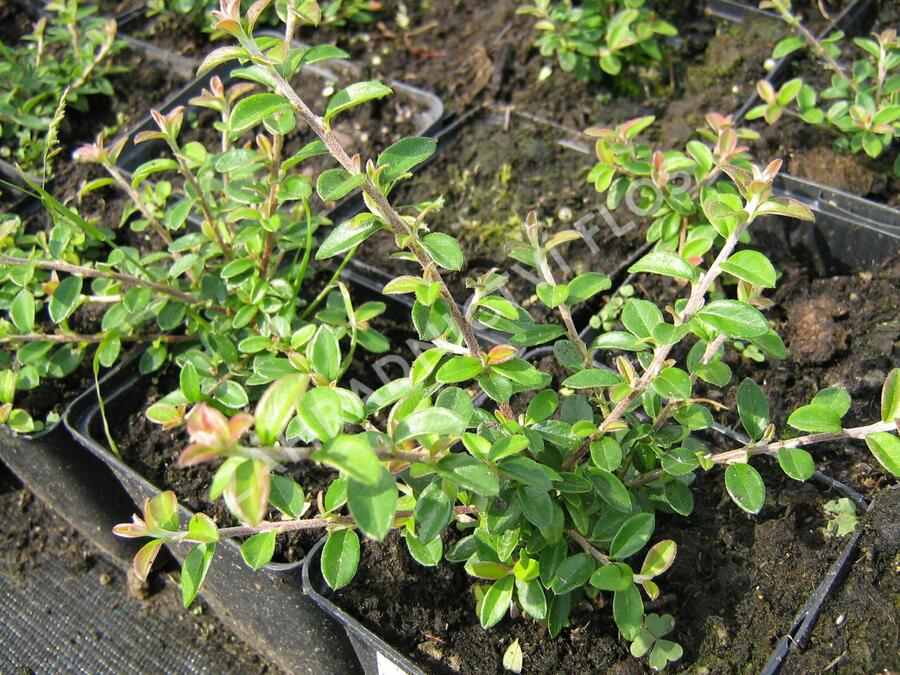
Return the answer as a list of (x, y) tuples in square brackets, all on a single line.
[(178, 34), (491, 177), (808, 150), (33, 537), (14, 23), (857, 631), (736, 583), (472, 52)]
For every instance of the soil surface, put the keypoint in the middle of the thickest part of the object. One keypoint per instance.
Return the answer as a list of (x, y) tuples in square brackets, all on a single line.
[(735, 585), (33, 536), (858, 630)]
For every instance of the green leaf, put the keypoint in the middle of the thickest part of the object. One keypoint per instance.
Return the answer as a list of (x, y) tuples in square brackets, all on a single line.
[(628, 611), (796, 463), (230, 394), (354, 456), (532, 598), (193, 571), (835, 399), (552, 296), (470, 474), (64, 299), (537, 506), (666, 264), (321, 412), (258, 550), (542, 406), (275, 407), (587, 285), (443, 250), (663, 652), (189, 382), (574, 572), (496, 602), (619, 340), (347, 235), (340, 558), (612, 577), (373, 506), (250, 489), (592, 378), (287, 496), (431, 421), (753, 409), (434, 509), (334, 184), (886, 449), (673, 384), (527, 471), (659, 558), (427, 554), (606, 453), (745, 486), (458, 369), (354, 95), (632, 536), (611, 489), (751, 266), (325, 353), (640, 317), (202, 529), (787, 46), (251, 110), (402, 156), (816, 419), (734, 319), (890, 397), (21, 311)]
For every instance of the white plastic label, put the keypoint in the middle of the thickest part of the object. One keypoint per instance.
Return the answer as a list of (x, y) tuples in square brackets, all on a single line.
[(386, 666)]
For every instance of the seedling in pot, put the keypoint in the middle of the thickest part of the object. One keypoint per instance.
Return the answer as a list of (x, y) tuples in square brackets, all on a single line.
[(66, 59), (863, 100), (556, 500), (227, 283), (599, 39)]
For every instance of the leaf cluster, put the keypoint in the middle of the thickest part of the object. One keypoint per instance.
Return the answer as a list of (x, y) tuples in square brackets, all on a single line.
[(598, 38), (860, 105)]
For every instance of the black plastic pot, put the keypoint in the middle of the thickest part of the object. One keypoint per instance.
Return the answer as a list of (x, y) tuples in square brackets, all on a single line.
[(133, 155), (71, 481), (254, 605), (378, 657)]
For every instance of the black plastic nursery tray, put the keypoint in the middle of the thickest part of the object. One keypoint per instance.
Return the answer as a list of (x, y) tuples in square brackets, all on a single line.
[(378, 657)]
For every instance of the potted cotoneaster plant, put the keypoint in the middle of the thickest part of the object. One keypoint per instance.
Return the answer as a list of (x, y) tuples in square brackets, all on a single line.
[(551, 508)]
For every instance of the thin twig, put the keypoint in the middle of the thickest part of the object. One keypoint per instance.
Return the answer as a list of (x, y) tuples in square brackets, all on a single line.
[(741, 454)]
